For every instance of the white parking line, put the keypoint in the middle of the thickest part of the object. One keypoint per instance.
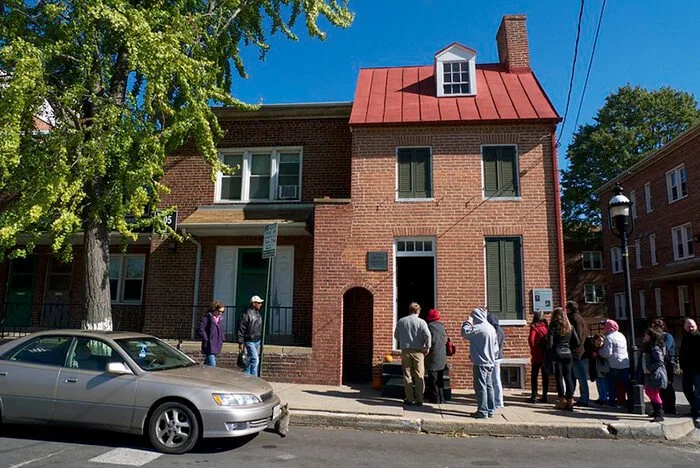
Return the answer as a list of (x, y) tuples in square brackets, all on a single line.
[(126, 456), (37, 459)]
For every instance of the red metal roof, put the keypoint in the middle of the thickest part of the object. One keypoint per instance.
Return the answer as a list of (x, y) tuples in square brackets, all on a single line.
[(408, 94)]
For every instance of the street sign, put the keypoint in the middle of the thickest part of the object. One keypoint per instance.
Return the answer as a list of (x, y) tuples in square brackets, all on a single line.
[(269, 241)]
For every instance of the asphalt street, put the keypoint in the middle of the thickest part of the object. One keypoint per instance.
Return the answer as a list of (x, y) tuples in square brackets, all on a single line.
[(37, 447)]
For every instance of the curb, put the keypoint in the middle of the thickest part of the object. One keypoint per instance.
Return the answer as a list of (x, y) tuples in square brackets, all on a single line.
[(667, 431)]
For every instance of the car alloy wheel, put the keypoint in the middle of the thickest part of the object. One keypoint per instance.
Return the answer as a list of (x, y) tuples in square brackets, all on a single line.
[(173, 428)]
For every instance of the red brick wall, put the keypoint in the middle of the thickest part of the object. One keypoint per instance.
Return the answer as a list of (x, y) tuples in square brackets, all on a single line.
[(577, 277), (660, 221), (458, 218)]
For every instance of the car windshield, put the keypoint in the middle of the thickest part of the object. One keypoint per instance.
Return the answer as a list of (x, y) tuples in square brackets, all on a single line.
[(153, 355)]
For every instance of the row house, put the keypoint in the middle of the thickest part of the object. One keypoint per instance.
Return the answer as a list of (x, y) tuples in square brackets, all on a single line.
[(585, 276), (437, 184), (664, 188)]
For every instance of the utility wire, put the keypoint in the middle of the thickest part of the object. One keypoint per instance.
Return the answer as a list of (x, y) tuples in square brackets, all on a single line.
[(573, 70), (590, 64)]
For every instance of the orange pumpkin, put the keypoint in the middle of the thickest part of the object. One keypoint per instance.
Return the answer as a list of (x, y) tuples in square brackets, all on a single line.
[(377, 383), (388, 358)]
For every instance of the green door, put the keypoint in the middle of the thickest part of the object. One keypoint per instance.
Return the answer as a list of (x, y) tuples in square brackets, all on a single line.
[(251, 278), (20, 292)]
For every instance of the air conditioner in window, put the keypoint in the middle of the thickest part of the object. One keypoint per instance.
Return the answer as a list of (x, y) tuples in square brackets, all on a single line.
[(288, 192)]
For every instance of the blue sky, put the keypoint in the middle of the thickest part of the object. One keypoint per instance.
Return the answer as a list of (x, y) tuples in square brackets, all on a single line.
[(642, 42)]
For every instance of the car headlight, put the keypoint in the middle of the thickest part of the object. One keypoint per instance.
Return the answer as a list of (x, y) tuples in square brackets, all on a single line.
[(235, 399)]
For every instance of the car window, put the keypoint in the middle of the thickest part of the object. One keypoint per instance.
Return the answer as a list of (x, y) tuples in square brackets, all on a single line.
[(151, 354), (48, 350), (93, 355)]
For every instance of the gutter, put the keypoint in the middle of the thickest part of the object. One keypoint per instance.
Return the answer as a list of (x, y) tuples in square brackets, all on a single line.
[(558, 220), (197, 273)]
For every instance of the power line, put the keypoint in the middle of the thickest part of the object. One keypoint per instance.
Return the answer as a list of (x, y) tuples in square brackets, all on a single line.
[(590, 64), (573, 70)]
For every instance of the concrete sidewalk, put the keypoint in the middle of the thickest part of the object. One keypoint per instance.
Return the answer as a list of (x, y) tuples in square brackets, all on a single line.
[(363, 408)]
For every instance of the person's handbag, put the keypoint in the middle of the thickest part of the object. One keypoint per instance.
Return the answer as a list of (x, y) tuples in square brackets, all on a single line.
[(243, 360), (450, 347)]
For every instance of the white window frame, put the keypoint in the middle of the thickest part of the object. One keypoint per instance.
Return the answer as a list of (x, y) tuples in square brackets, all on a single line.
[(396, 176), (423, 253), (616, 260), (450, 55), (638, 253), (620, 306), (669, 183), (247, 154), (657, 302), (647, 198), (683, 298), (122, 277), (652, 249), (509, 322), (686, 231), (597, 299), (642, 304), (633, 199), (591, 254)]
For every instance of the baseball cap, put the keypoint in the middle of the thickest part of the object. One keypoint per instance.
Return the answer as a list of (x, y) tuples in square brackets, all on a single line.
[(256, 299)]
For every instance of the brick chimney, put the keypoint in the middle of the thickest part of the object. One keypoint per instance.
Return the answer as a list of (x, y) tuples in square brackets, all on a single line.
[(513, 51)]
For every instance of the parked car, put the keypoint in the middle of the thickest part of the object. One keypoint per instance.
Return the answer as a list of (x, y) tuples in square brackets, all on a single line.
[(129, 382)]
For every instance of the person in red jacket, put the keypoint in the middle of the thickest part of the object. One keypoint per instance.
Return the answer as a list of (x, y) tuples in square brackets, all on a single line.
[(538, 344)]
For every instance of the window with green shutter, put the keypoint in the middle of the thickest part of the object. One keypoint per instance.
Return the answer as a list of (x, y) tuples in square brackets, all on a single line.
[(500, 171), (504, 278), (415, 178)]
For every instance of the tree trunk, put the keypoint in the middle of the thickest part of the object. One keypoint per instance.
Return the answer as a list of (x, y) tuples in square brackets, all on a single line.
[(98, 304)]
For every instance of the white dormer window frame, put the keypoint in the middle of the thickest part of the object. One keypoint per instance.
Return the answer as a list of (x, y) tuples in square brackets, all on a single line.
[(465, 59)]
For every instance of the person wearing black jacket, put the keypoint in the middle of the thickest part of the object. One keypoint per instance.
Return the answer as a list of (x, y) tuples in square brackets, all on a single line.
[(436, 360), (579, 363), (561, 340), (690, 365), (250, 333)]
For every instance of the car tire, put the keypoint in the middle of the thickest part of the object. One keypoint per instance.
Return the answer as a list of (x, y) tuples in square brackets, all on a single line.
[(173, 428)]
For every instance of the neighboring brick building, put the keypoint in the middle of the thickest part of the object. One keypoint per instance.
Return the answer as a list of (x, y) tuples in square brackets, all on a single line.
[(585, 276), (438, 184), (665, 273)]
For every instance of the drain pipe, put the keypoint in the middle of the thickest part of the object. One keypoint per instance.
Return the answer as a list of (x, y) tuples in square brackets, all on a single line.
[(197, 271)]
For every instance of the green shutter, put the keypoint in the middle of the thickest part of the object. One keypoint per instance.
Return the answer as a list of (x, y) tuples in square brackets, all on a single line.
[(493, 276), (405, 174), (421, 173), (508, 182), (490, 171)]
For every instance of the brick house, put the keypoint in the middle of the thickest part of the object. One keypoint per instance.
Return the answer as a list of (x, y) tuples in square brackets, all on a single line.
[(437, 184), (664, 271), (585, 276)]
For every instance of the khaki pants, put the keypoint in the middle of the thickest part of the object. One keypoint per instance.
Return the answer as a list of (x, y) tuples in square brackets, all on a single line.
[(412, 362)]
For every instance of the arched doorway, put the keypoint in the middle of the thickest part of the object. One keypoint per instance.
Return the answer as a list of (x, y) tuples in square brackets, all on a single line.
[(358, 305)]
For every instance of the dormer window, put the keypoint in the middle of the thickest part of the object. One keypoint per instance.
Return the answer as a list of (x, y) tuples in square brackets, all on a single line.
[(455, 71)]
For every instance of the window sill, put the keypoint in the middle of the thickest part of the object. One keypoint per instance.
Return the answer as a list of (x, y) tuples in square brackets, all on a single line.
[(682, 259), (512, 323), (415, 200), (502, 199), (616, 272), (593, 269), (670, 201), (253, 202)]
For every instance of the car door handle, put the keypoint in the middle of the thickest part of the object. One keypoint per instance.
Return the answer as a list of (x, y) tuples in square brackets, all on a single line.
[(3, 374), (72, 380)]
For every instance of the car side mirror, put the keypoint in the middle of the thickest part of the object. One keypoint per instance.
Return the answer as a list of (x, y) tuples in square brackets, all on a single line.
[(118, 368)]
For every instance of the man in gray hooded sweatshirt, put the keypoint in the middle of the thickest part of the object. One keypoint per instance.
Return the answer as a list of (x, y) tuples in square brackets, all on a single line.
[(483, 348)]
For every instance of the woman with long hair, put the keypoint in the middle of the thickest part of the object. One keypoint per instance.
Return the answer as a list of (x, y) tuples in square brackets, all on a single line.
[(652, 369), (538, 347), (561, 340)]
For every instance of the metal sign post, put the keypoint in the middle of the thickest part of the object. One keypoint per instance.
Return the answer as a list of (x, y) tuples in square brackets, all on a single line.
[(269, 251)]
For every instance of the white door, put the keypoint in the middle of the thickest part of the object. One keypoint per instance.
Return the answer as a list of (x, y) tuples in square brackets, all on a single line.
[(225, 283), (282, 294)]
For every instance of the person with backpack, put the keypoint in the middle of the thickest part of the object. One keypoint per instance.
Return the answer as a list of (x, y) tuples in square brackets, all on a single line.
[(436, 360), (483, 348), (668, 394), (579, 362), (561, 340), (651, 369), (538, 350)]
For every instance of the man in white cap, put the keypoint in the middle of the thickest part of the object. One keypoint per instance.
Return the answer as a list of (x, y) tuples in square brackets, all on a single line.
[(250, 333)]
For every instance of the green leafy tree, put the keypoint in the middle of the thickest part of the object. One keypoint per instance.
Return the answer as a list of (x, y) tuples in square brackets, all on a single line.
[(127, 81), (632, 122)]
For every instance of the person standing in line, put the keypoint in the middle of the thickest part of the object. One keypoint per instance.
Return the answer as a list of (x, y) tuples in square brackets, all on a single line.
[(414, 340), (614, 349), (538, 347), (249, 334), (561, 340), (668, 394), (211, 333), (483, 349), (436, 360), (602, 369), (652, 371), (690, 365), (579, 363), (497, 385)]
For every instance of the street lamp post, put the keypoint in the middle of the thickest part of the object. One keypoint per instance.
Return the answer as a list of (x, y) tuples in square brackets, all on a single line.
[(619, 208)]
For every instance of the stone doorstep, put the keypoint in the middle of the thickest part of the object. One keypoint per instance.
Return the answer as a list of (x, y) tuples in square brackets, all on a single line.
[(195, 346), (668, 430)]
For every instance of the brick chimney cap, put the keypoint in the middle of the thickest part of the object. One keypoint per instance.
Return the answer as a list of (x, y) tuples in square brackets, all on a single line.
[(517, 16)]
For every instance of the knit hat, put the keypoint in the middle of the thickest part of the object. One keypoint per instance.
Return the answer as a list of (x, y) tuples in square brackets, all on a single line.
[(432, 316), (611, 326)]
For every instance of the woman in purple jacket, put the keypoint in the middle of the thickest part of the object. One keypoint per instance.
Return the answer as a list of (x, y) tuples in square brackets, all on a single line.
[(211, 333)]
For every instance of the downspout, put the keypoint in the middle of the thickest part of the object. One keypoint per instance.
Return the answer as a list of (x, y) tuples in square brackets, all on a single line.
[(197, 272), (557, 215)]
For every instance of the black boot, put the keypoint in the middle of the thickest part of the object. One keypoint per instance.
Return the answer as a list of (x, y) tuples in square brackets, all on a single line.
[(658, 413)]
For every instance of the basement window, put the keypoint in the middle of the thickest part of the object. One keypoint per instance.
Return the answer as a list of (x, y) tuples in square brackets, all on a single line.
[(512, 376)]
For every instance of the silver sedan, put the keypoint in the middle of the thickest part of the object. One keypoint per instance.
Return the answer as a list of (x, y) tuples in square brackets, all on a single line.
[(131, 383)]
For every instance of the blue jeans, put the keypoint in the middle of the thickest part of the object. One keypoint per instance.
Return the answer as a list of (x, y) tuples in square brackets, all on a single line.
[(581, 377), (497, 386), (210, 360), (253, 350), (483, 386), (602, 386), (615, 376)]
